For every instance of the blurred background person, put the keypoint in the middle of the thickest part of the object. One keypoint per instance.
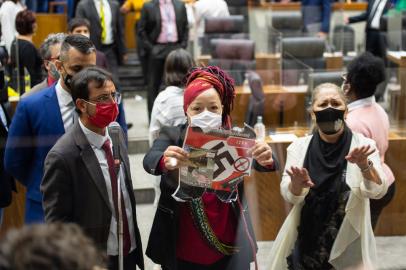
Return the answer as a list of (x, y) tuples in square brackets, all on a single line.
[(49, 51), (168, 106), (82, 26), (107, 30), (136, 6), (28, 56), (8, 13), (329, 177), (367, 117), (159, 34), (47, 247), (375, 41), (316, 17)]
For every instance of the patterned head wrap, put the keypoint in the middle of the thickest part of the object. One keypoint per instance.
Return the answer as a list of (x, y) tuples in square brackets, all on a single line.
[(205, 78)]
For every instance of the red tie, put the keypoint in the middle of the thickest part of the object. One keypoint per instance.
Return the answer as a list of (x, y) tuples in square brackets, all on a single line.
[(126, 239)]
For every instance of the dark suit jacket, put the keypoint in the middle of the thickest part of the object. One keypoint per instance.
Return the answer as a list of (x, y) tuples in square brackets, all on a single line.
[(74, 189), (322, 13), (164, 232), (365, 16), (149, 26), (36, 127), (7, 183), (87, 9)]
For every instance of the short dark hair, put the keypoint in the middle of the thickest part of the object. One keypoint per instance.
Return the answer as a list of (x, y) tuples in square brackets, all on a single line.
[(25, 21), (81, 81), (177, 65), (79, 42), (48, 246), (77, 22), (365, 72)]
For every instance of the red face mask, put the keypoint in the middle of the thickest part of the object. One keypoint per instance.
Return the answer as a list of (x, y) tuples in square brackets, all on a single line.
[(105, 114)]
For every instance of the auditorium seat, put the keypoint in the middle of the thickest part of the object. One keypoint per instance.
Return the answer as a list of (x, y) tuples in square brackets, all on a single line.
[(344, 41), (289, 24), (318, 78), (236, 56), (300, 56), (231, 27), (239, 7), (257, 98)]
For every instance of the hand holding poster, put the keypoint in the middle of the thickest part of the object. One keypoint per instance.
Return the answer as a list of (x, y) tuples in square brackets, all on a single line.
[(218, 161)]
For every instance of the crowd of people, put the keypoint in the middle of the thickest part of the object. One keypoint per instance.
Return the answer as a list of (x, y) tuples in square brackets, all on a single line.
[(67, 144)]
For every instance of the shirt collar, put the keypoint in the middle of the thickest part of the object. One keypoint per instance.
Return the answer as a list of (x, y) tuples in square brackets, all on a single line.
[(360, 103), (63, 96), (165, 1), (94, 138)]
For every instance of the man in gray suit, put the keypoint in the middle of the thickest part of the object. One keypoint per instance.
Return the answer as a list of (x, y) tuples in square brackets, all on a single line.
[(82, 180), (49, 50), (107, 29)]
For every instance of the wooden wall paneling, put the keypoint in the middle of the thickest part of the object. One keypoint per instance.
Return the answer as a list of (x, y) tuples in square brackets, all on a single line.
[(47, 24)]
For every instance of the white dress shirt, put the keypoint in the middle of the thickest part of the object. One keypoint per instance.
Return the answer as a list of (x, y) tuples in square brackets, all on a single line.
[(359, 103), (107, 19), (96, 142), (3, 117), (66, 106), (8, 13), (167, 111), (377, 11)]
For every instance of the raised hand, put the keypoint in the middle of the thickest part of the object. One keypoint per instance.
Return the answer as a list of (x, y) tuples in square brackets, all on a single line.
[(300, 179), (174, 156), (359, 156), (262, 153)]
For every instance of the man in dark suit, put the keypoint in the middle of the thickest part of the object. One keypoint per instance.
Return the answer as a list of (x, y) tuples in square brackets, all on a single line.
[(107, 30), (41, 119), (375, 42), (81, 179), (163, 27)]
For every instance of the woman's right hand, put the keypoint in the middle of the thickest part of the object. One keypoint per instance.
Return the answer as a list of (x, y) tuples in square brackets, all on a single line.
[(300, 179), (174, 157)]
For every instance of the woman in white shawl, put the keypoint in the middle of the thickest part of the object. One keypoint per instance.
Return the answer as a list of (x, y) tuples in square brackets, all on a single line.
[(329, 178)]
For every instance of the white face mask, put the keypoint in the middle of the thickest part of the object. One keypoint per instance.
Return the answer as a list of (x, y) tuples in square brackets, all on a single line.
[(206, 120)]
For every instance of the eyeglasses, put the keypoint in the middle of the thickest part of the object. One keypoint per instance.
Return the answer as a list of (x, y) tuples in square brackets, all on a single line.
[(106, 98)]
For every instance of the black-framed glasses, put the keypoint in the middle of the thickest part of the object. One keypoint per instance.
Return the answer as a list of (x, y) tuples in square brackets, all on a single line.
[(106, 98)]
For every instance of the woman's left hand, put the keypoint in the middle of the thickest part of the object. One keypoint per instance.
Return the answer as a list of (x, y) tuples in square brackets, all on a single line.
[(262, 153), (359, 156)]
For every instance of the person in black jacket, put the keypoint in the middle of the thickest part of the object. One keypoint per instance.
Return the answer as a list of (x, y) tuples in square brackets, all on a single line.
[(205, 233), (163, 27), (375, 42), (28, 56)]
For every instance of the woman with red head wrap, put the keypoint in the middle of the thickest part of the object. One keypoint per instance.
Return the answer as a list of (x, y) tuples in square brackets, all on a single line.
[(205, 233)]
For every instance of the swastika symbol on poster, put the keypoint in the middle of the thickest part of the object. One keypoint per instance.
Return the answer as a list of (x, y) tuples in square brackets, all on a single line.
[(224, 161)]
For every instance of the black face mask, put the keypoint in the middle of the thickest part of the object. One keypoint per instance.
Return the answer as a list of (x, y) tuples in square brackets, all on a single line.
[(68, 81), (330, 120)]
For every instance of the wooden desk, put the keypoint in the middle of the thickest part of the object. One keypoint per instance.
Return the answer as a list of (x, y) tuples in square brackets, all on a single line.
[(398, 98), (269, 210), (290, 101)]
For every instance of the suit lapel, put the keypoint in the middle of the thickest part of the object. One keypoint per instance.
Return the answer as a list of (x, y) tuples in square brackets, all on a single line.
[(92, 164), (53, 112)]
